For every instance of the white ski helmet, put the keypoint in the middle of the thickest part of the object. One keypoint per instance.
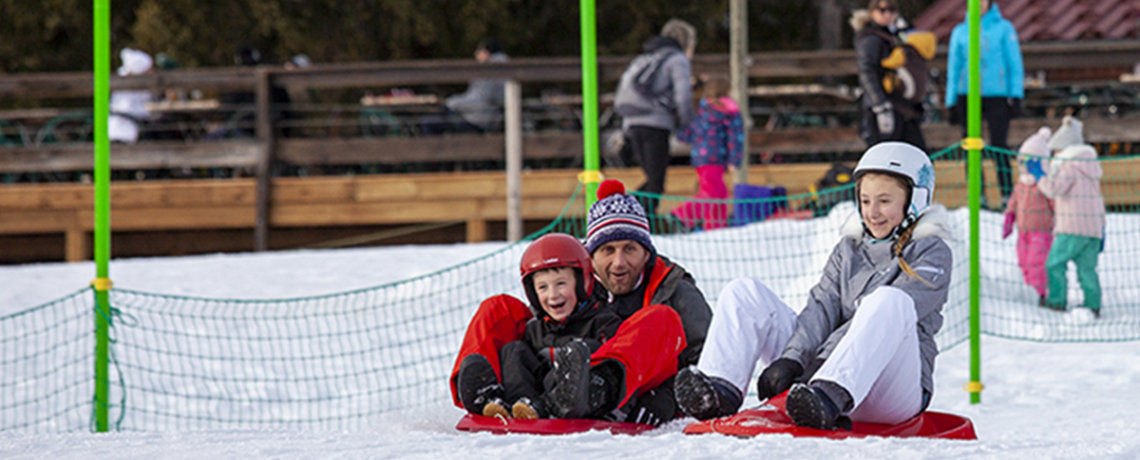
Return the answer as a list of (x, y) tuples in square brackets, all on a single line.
[(908, 162)]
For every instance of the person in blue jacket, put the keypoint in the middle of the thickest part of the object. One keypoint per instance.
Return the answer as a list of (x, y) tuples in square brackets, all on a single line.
[(1003, 85)]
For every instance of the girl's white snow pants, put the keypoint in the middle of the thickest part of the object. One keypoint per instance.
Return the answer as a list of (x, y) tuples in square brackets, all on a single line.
[(877, 360)]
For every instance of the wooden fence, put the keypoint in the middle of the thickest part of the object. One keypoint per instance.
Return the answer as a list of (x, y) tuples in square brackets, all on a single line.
[(261, 152)]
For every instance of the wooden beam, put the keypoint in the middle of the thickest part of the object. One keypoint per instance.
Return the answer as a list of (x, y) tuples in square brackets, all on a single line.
[(146, 155), (1044, 56)]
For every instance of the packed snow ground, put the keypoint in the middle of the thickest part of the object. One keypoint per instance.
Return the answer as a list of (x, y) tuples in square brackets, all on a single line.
[(1042, 400)]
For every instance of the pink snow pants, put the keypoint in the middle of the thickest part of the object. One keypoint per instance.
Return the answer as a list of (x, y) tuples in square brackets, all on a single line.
[(714, 215), (1032, 251)]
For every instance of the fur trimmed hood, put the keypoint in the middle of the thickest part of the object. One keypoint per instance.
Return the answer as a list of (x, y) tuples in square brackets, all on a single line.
[(859, 19), (934, 222)]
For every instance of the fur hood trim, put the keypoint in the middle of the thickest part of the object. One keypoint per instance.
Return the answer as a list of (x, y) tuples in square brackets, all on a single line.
[(859, 19)]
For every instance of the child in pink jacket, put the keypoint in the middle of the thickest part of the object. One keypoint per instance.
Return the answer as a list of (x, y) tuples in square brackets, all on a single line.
[(1032, 212)]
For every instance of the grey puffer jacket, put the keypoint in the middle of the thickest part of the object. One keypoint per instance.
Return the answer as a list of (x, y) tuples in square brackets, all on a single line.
[(670, 104), (482, 103), (856, 268)]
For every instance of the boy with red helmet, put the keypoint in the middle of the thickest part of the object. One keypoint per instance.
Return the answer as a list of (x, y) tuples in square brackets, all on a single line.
[(558, 278)]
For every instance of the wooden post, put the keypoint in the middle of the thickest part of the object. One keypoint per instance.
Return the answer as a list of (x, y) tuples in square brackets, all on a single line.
[(476, 231), (738, 64), (264, 160), (513, 127), (75, 243)]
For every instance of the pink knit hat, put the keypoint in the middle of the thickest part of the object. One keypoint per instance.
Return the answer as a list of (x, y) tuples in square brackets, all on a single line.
[(1037, 144)]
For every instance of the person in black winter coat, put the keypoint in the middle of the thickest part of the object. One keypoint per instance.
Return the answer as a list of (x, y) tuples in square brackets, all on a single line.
[(885, 118)]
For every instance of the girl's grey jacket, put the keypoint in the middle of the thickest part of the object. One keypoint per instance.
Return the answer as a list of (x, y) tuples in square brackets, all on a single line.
[(857, 267)]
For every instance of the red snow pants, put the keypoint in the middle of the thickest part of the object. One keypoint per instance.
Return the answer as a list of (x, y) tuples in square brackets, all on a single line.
[(647, 344)]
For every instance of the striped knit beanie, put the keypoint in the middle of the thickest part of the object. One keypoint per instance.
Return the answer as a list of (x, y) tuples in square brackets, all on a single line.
[(614, 217)]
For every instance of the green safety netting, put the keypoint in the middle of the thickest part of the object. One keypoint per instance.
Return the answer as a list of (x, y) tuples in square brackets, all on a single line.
[(338, 361)]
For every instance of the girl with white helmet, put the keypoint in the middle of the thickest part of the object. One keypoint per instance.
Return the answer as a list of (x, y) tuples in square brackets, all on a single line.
[(863, 347)]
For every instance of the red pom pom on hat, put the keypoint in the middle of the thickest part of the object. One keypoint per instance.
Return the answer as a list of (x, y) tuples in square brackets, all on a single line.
[(610, 187)]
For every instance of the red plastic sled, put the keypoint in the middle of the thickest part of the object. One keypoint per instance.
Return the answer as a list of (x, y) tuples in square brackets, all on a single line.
[(773, 419), (472, 422)]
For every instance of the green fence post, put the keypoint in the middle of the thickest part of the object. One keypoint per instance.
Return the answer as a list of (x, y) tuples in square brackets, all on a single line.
[(973, 144), (102, 234), (590, 176)]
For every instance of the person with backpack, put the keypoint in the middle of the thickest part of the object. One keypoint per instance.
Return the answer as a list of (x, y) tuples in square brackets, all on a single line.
[(1003, 82), (654, 98), (889, 113), (862, 348)]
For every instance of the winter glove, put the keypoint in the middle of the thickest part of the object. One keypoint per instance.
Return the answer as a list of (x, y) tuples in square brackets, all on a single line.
[(885, 118), (778, 377), (1034, 168), (544, 355), (952, 115), (1007, 227), (1016, 110), (653, 407)]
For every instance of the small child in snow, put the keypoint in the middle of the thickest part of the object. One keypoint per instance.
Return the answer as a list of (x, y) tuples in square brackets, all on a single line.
[(1032, 211), (717, 136), (558, 278), (1072, 180)]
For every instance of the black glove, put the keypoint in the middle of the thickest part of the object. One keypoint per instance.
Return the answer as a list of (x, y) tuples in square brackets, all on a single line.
[(778, 377), (952, 115), (1015, 108), (653, 407)]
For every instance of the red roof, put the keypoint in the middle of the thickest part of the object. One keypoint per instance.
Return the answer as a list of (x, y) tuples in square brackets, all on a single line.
[(1045, 20)]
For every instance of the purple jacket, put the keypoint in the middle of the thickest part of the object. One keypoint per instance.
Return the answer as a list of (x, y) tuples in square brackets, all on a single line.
[(716, 134)]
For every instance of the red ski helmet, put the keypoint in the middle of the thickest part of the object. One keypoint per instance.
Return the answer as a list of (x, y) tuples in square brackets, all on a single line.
[(556, 250)]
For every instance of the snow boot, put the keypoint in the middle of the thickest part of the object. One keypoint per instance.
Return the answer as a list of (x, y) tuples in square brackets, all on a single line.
[(527, 408), (570, 393), (703, 397), (810, 407), (477, 384)]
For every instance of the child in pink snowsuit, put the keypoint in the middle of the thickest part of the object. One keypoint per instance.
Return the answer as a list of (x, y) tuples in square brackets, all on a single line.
[(1032, 211), (717, 136)]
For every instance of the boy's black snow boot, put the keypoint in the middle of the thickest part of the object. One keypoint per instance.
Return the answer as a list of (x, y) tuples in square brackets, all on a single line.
[(810, 407), (570, 393), (703, 397), (477, 384)]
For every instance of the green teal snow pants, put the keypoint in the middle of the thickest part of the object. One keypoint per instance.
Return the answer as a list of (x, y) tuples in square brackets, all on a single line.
[(1083, 251)]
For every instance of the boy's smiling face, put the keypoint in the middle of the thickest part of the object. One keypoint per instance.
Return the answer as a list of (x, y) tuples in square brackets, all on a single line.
[(557, 291)]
